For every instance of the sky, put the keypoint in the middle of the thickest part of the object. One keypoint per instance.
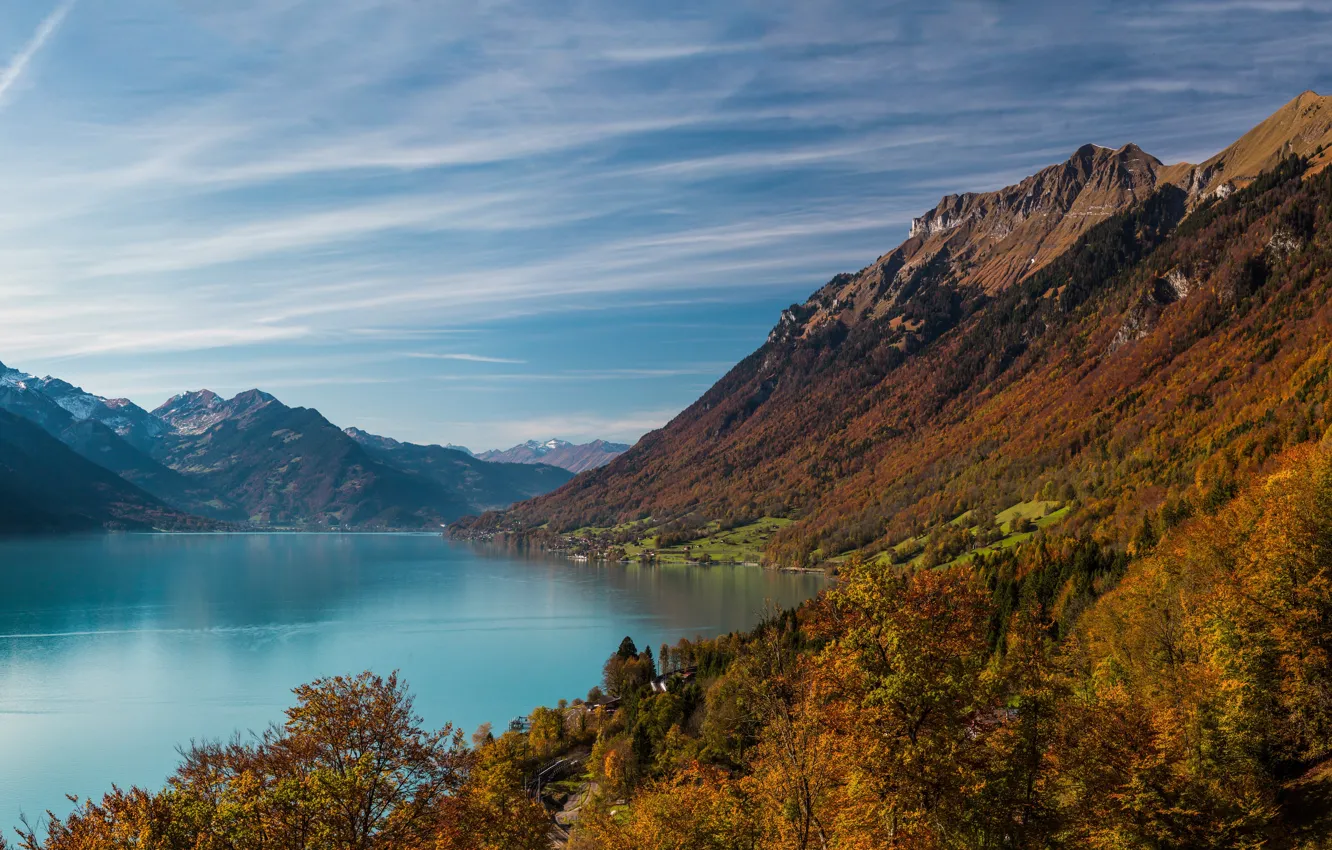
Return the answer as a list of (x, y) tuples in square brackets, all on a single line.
[(485, 222)]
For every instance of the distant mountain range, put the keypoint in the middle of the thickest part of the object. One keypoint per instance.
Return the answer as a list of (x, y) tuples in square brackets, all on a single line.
[(203, 461), (561, 453), (1123, 336), (489, 480)]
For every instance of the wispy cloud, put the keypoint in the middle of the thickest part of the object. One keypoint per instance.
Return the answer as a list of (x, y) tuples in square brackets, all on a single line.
[(585, 375), (469, 358), (671, 52), (14, 70)]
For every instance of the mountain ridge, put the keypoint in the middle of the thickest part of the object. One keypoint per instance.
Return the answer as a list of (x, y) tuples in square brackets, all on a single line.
[(996, 239), (833, 420)]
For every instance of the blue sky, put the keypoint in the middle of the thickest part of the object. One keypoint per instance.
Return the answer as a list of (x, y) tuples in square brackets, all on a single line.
[(482, 222)]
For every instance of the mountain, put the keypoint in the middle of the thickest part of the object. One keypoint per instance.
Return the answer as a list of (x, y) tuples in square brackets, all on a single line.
[(289, 466), (488, 484), (1112, 334), (1302, 128), (252, 459), (193, 413), (575, 458), (108, 432), (129, 421), (45, 487), (132, 423)]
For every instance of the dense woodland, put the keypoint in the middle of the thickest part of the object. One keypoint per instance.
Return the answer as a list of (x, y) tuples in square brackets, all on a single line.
[(1058, 695)]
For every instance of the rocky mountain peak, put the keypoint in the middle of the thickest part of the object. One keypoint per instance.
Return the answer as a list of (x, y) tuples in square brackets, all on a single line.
[(192, 400), (124, 417), (249, 400), (1302, 127), (365, 438), (1091, 184), (981, 243), (984, 242), (12, 377), (198, 410)]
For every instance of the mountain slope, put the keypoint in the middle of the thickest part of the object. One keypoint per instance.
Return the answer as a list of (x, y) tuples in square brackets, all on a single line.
[(484, 484), (132, 423), (575, 458), (99, 444), (943, 378), (45, 487)]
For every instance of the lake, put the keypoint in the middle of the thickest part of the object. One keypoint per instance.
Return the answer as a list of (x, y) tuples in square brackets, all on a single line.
[(116, 649)]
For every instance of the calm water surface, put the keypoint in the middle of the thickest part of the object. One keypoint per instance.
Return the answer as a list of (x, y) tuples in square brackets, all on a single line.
[(116, 649)]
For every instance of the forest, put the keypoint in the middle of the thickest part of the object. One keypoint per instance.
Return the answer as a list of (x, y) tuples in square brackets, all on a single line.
[(1059, 694)]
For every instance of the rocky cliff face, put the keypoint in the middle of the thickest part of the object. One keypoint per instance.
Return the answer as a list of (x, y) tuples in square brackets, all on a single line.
[(978, 244), (1002, 236)]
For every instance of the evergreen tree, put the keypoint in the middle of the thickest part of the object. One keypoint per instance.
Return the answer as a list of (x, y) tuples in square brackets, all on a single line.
[(627, 649)]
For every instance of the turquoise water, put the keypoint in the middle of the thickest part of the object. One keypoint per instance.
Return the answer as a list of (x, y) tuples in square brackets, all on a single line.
[(115, 650)]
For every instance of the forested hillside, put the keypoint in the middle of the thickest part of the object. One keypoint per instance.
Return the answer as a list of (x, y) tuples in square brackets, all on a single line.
[(1156, 363), (45, 487)]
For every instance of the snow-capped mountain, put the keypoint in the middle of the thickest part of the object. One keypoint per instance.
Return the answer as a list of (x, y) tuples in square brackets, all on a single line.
[(196, 411), (562, 453), (131, 422), (249, 458)]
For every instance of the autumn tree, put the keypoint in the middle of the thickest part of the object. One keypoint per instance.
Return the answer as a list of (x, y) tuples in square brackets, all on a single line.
[(795, 765), (351, 767), (491, 810), (546, 733), (907, 690), (699, 808)]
